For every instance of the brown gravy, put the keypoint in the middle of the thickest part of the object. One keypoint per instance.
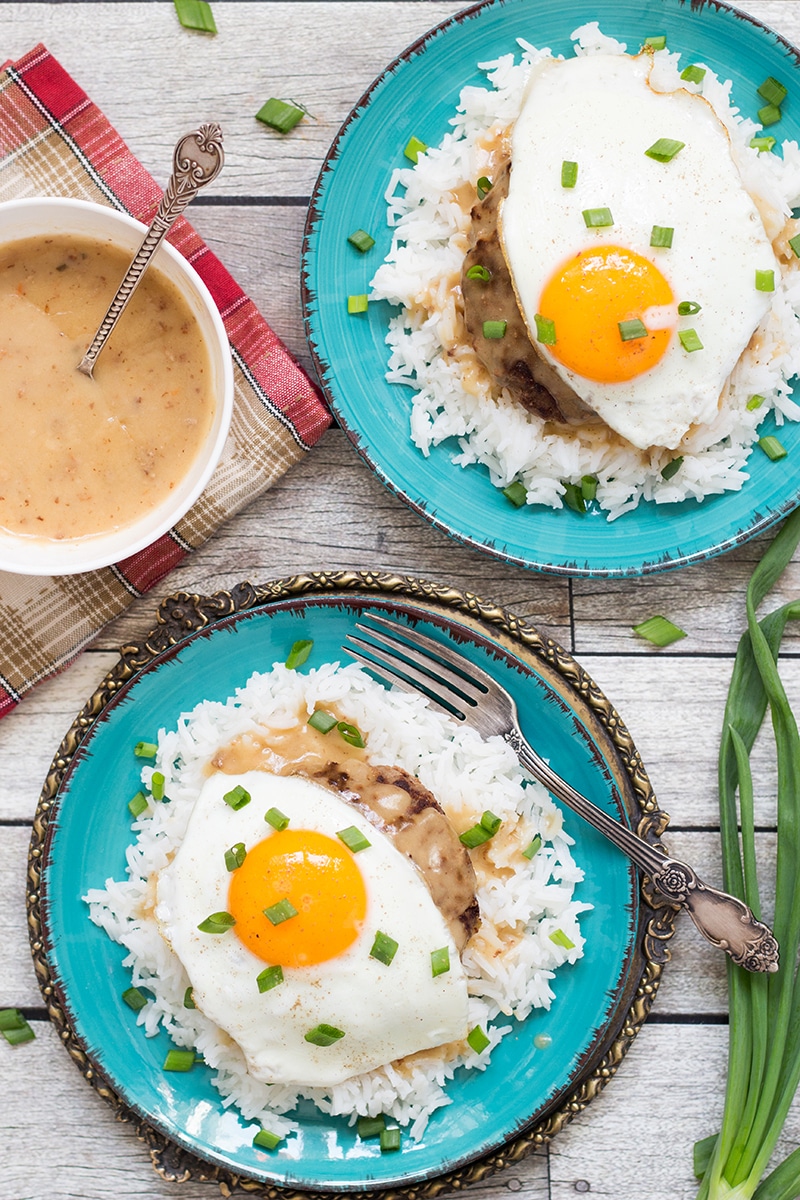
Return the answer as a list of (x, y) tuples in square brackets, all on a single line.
[(83, 456)]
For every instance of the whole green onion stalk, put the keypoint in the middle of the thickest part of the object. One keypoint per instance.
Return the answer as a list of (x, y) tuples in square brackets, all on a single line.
[(764, 1032)]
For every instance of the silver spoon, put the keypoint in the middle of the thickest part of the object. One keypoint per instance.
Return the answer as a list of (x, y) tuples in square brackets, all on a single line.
[(197, 159)]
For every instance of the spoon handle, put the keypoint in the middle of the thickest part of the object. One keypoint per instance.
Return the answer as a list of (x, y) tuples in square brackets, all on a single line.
[(198, 159)]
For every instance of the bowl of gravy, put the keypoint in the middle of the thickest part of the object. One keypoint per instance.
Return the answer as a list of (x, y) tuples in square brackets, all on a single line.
[(93, 470)]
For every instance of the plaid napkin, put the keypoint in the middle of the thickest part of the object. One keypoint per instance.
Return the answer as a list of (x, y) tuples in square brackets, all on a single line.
[(55, 142)]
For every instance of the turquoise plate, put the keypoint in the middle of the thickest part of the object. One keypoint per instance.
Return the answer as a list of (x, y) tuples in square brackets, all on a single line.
[(83, 828), (416, 95)]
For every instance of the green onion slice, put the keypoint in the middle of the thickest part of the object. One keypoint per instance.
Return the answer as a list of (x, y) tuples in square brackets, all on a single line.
[(353, 838), (284, 910), (279, 115), (137, 804), (660, 631), (597, 218), (573, 496), (689, 340), (179, 1060), (384, 948), (754, 402), (362, 240), (773, 91), (770, 114), (322, 721), (269, 978), (773, 449), (483, 186), (300, 650), (237, 797), (351, 734), (275, 818), (665, 149), (145, 749), (661, 236), (693, 73), (656, 42), (517, 493), (589, 487), (188, 998), (413, 148), (440, 961), (157, 785), (234, 858), (490, 822), (265, 1140), (18, 1034), (559, 938), (370, 1127), (762, 143), (477, 271), (324, 1035), (134, 998), (533, 847), (765, 281), (196, 14), (11, 1018), (358, 304), (218, 922), (494, 329), (794, 242), (390, 1139), (545, 330), (687, 308), (477, 1040), (569, 174), (672, 467), (476, 835), (633, 330)]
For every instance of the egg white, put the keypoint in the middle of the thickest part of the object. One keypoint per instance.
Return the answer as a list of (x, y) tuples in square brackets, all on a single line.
[(386, 1012)]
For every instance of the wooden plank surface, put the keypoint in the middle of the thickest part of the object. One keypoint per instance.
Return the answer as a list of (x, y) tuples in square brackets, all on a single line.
[(58, 1139)]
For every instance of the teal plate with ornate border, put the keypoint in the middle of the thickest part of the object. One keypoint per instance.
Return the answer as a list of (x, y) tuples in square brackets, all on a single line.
[(416, 95), (83, 828)]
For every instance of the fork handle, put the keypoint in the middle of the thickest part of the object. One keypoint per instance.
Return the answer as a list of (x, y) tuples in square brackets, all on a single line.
[(723, 920)]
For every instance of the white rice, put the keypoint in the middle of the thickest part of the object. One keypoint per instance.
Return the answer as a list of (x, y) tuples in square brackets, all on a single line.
[(468, 775), (423, 268)]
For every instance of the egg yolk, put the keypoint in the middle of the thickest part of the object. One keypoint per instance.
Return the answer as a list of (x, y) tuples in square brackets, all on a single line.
[(588, 296), (320, 879)]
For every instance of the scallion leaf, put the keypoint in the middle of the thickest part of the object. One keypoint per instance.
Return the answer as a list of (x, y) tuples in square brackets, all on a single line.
[(773, 449), (440, 961), (188, 998), (351, 734), (322, 721), (660, 631), (770, 114), (633, 330), (413, 148), (589, 487), (762, 143), (145, 749), (693, 73), (483, 186), (597, 218), (773, 91), (794, 242), (545, 330), (661, 237), (265, 1140), (358, 303), (234, 858), (690, 341), (477, 271), (269, 978), (277, 819), (157, 785), (218, 922), (573, 496), (569, 174), (362, 241), (754, 402), (517, 493), (196, 14), (390, 1139), (687, 308), (324, 1035), (656, 41), (280, 115), (353, 838), (15, 1029), (179, 1060), (237, 797), (672, 468), (284, 910), (493, 330), (370, 1127), (384, 948), (134, 998), (559, 938), (665, 149), (765, 281), (137, 804), (533, 847), (477, 1040), (300, 650)]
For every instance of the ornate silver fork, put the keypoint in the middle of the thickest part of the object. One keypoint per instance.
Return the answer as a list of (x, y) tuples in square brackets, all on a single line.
[(418, 663)]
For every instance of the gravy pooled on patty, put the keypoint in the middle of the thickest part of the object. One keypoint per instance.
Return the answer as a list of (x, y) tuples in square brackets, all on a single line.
[(83, 456)]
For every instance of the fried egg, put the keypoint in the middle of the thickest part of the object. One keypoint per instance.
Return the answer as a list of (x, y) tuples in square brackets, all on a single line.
[(585, 280), (319, 961)]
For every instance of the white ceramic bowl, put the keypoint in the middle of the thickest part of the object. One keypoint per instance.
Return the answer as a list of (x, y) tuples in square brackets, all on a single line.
[(38, 556)]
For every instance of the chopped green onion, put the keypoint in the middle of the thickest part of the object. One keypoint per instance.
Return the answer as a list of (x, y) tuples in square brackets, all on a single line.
[(773, 449), (284, 910), (633, 330), (477, 271), (137, 805), (10, 1018), (794, 242), (589, 487), (390, 1139), (659, 631), (773, 91), (196, 14), (754, 402), (351, 734), (299, 651), (384, 948), (145, 749), (765, 281), (275, 818), (353, 838), (237, 797), (157, 785), (324, 1035), (14, 1028), (477, 1040), (762, 143), (517, 493), (179, 1060), (279, 115), (545, 330), (693, 73), (440, 961), (483, 186), (358, 304), (362, 241), (370, 1127), (482, 832), (770, 114), (569, 174), (665, 149), (188, 998), (265, 1140), (656, 42), (322, 721), (134, 998), (672, 467), (218, 922), (689, 340), (597, 218), (269, 978), (687, 308), (559, 938), (490, 822), (573, 497), (234, 858), (661, 237), (494, 329), (533, 847), (413, 148)]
